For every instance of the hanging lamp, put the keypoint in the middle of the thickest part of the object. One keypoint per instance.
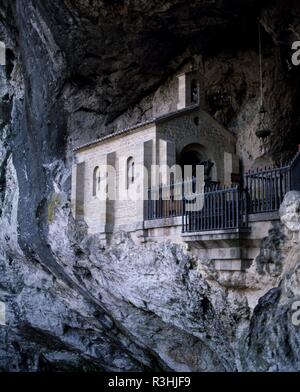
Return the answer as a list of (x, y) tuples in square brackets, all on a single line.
[(263, 132)]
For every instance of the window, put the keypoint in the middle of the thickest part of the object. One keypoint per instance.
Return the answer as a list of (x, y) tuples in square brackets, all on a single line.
[(96, 181), (130, 171)]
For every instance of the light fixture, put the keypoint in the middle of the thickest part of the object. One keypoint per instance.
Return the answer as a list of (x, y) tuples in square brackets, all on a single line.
[(263, 131)]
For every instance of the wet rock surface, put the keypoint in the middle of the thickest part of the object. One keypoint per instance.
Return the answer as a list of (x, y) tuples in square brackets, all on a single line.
[(76, 71)]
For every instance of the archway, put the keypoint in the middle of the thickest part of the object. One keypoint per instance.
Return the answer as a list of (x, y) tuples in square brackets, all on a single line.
[(195, 155)]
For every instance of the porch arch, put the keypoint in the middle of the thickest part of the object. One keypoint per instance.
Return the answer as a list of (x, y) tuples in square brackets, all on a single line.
[(195, 154)]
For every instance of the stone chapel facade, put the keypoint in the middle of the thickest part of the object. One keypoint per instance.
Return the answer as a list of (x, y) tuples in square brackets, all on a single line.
[(188, 134), (237, 211)]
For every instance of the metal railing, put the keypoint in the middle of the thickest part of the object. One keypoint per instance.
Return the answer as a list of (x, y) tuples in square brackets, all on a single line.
[(166, 201), (222, 209), (267, 188)]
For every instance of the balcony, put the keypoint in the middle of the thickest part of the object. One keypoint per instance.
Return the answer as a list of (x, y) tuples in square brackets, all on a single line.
[(220, 208)]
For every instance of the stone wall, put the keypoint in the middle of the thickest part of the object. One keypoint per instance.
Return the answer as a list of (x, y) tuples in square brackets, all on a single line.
[(214, 139), (78, 70), (104, 215)]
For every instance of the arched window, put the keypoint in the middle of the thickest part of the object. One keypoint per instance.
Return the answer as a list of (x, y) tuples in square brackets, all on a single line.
[(194, 91), (96, 181), (130, 171)]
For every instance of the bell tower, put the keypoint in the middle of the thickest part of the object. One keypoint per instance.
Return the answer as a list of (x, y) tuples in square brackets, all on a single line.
[(188, 90)]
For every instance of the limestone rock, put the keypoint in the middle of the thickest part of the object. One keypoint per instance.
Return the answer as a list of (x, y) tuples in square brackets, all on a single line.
[(290, 211), (78, 70)]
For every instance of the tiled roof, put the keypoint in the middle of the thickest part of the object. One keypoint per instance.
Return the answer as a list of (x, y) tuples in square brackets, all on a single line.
[(136, 126), (101, 139)]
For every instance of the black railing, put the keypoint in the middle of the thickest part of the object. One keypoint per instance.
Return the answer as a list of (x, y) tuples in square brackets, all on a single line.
[(295, 173), (267, 188), (218, 210), (166, 201)]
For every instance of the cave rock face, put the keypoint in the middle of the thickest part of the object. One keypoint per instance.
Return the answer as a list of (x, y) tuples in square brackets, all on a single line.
[(290, 211), (80, 70)]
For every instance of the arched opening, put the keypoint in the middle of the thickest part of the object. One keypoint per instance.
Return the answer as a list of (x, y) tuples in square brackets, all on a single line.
[(191, 155), (130, 171), (195, 155), (96, 181)]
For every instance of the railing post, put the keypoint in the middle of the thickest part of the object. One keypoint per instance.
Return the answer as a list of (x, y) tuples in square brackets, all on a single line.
[(149, 202), (182, 208), (237, 208), (183, 216), (160, 201), (290, 178), (247, 201)]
